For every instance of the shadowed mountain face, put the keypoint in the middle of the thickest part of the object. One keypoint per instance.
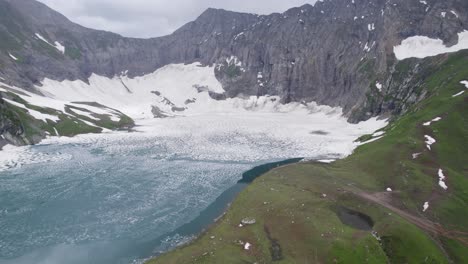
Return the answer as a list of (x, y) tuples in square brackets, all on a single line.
[(332, 53)]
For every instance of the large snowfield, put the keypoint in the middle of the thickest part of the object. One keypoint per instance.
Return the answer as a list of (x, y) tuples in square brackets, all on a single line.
[(111, 196), (214, 129)]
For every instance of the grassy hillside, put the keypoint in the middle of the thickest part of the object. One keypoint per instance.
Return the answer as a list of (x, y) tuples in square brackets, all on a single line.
[(71, 122), (343, 213)]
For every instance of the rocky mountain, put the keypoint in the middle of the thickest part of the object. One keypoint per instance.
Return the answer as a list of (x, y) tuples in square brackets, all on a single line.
[(337, 52)]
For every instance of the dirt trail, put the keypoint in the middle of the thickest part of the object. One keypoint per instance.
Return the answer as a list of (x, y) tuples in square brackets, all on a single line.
[(425, 224)]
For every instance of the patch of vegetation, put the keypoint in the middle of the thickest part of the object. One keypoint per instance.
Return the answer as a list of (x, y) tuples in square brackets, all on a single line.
[(364, 138), (104, 121), (68, 125), (232, 71), (296, 203), (73, 53), (366, 66), (22, 122), (45, 48), (8, 43)]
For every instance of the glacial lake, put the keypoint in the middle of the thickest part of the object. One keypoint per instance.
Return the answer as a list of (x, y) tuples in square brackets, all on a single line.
[(123, 197)]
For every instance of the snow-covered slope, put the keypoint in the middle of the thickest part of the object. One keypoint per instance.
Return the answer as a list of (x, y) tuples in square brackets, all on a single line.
[(33, 117), (202, 123), (35, 100), (174, 90), (422, 46)]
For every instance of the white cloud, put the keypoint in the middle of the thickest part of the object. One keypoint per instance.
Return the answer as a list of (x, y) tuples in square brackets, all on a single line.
[(143, 18)]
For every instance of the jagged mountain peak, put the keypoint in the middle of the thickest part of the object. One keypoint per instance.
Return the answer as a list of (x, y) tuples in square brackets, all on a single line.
[(39, 14), (332, 52)]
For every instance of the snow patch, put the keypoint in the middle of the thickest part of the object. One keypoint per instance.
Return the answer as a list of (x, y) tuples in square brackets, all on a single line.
[(12, 56), (422, 46), (238, 35), (368, 48), (369, 141), (465, 83), (437, 119), (425, 206), (326, 161), (59, 105), (429, 141), (442, 177), (378, 134), (60, 47), (168, 88), (233, 60), (36, 114), (56, 44), (247, 246), (379, 86), (83, 113)]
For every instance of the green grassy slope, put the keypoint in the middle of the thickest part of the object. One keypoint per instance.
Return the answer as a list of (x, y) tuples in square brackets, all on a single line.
[(297, 207), (70, 123)]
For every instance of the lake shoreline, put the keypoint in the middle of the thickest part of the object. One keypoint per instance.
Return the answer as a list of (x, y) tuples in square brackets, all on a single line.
[(216, 210)]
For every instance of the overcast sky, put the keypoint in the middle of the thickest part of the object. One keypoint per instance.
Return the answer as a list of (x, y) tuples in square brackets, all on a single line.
[(152, 18)]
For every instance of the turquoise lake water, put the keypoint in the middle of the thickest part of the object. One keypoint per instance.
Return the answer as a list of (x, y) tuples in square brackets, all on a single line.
[(96, 206)]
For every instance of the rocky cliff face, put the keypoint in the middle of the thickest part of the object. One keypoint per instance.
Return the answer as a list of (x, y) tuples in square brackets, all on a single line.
[(332, 53)]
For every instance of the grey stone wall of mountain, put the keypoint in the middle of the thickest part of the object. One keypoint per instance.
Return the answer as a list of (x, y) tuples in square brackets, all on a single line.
[(309, 53)]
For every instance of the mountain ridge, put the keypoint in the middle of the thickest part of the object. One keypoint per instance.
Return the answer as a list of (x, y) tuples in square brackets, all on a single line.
[(333, 53), (286, 39)]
